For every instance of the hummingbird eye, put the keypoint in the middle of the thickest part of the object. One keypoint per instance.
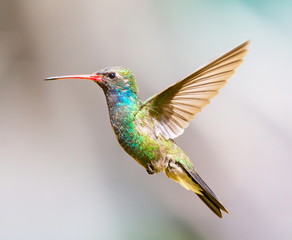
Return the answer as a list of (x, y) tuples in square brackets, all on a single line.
[(111, 75)]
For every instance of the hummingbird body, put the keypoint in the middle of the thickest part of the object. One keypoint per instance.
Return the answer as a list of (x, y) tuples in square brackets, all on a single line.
[(146, 130)]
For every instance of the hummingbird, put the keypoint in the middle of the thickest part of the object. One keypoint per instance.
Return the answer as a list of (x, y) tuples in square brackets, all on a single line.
[(146, 130)]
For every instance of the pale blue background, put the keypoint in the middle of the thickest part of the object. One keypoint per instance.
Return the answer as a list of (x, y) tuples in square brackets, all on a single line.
[(62, 173)]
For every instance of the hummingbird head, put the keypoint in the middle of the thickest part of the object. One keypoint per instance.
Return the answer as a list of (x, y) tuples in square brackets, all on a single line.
[(117, 79), (109, 79)]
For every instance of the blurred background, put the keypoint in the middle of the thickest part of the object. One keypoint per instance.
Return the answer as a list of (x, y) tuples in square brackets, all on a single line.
[(62, 172)]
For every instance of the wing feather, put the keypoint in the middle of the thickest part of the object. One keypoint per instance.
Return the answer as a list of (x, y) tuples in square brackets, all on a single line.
[(173, 108)]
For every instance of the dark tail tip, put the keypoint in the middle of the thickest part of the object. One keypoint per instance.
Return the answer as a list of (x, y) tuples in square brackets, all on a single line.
[(205, 193), (213, 204)]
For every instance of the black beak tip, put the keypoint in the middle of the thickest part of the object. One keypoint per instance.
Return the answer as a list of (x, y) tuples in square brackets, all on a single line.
[(49, 79)]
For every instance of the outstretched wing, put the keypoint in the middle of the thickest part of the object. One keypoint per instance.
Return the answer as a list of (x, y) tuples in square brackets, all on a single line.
[(174, 107)]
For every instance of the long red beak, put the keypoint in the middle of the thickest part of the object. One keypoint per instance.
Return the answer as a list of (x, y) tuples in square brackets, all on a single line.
[(93, 77)]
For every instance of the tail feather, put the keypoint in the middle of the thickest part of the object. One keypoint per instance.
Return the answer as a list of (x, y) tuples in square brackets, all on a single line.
[(211, 204), (204, 192)]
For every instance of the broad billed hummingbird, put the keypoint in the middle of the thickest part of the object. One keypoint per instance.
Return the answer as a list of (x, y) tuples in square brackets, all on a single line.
[(146, 130)]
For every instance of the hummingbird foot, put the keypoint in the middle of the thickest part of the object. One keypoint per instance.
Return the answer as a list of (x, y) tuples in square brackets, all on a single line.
[(150, 169)]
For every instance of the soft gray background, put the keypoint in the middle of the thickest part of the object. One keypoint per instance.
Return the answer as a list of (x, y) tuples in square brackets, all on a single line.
[(62, 173)]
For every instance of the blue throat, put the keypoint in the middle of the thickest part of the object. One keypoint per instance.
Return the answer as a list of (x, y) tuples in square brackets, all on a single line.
[(122, 106)]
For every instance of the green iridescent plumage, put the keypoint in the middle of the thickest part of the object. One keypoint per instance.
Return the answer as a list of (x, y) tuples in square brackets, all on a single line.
[(146, 129)]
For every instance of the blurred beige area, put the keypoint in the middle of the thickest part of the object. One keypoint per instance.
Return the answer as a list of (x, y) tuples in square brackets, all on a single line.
[(62, 172)]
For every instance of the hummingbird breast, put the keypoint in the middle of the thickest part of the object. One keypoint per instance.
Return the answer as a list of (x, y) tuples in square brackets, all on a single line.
[(135, 139), (136, 133), (139, 141)]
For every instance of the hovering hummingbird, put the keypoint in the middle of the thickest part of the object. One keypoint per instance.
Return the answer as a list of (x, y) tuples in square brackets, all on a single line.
[(146, 130)]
